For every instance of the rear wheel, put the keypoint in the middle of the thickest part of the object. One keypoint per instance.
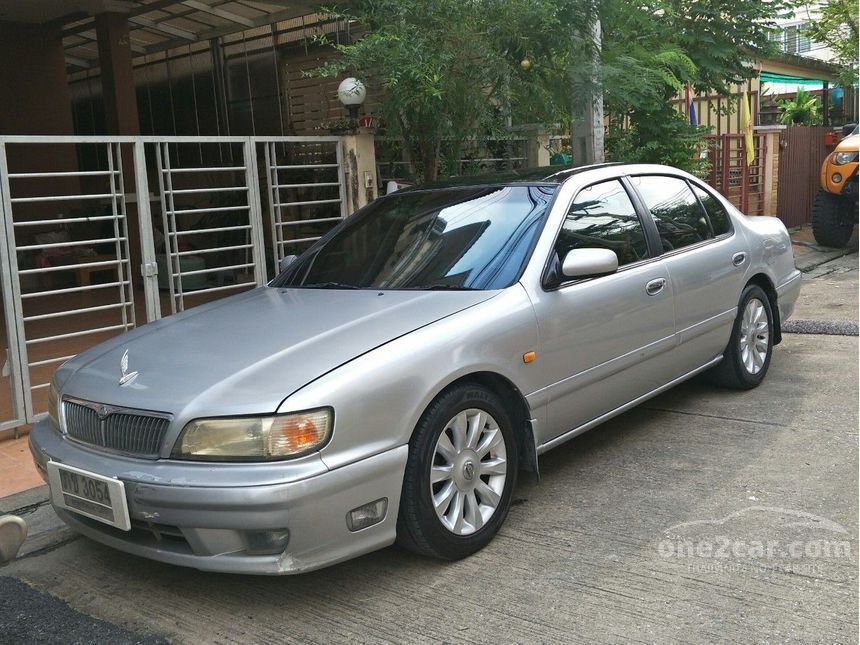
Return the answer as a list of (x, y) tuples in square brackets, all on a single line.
[(832, 219), (747, 357), (460, 475)]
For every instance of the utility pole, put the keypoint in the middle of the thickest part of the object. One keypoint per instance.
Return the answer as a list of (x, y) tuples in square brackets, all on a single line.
[(586, 132)]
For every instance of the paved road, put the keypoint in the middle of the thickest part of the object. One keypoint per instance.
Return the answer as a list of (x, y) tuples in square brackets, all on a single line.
[(31, 616), (829, 291), (703, 515)]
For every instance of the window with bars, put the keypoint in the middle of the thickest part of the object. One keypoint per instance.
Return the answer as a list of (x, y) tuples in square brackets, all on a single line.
[(792, 39)]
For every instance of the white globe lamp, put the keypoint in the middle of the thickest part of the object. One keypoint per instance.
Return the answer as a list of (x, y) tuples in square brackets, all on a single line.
[(351, 93)]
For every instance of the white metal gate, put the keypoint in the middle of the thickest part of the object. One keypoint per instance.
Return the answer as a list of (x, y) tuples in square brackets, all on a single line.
[(69, 256), (53, 250), (202, 238), (306, 190)]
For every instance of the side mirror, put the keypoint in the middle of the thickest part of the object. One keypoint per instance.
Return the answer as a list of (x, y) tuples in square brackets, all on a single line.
[(286, 261), (581, 263), (394, 185), (848, 128)]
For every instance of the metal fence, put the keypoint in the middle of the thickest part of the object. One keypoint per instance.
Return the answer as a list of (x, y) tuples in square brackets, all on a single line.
[(194, 233), (305, 191), (79, 220), (802, 151), (477, 157), (729, 173)]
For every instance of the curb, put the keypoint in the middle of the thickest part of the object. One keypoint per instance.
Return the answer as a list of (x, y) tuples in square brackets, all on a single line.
[(821, 256), (18, 502), (47, 531)]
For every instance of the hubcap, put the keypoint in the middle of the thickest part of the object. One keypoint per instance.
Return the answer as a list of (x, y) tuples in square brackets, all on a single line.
[(468, 472), (754, 336)]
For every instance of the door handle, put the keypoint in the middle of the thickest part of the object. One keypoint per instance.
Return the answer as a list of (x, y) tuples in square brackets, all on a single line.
[(739, 258), (655, 286)]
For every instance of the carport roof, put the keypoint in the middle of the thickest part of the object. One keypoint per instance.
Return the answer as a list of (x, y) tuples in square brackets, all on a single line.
[(154, 25)]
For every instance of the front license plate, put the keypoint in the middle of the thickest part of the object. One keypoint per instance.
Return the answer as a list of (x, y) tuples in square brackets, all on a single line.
[(96, 496)]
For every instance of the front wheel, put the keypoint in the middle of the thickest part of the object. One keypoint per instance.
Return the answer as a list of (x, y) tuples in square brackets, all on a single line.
[(832, 219), (747, 356), (460, 475)]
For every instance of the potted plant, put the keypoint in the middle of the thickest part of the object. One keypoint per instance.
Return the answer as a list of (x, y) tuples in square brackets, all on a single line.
[(803, 109)]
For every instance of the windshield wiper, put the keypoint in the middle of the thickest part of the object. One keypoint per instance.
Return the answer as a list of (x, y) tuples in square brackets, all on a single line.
[(326, 285), (444, 287), (341, 285)]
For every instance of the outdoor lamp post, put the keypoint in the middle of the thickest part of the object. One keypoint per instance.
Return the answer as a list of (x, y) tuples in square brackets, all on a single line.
[(351, 93)]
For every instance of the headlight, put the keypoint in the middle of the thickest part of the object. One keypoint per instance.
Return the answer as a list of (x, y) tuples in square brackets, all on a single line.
[(840, 158), (54, 405), (255, 438)]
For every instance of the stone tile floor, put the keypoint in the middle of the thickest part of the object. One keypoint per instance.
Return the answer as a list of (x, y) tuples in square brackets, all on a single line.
[(17, 472)]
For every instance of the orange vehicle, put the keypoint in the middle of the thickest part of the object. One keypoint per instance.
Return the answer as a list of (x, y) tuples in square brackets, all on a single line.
[(834, 211)]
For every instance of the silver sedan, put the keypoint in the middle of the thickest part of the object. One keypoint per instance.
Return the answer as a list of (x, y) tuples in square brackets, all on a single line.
[(392, 380)]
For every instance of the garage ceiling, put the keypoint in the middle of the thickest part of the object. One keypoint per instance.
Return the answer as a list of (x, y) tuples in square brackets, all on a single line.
[(154, 25)]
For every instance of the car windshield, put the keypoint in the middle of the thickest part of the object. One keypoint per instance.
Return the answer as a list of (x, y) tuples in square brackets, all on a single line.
[(454, 238)]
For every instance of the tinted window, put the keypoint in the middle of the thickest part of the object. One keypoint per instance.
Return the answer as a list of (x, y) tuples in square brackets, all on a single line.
[(716, 211), (679, 216), (602, 216), (463, 238)]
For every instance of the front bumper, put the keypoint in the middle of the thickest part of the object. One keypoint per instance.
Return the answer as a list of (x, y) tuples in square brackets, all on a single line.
[(847, 186), (207, 527)]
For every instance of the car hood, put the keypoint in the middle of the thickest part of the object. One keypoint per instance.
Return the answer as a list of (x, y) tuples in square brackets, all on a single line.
[(849, 143), (246, 354)]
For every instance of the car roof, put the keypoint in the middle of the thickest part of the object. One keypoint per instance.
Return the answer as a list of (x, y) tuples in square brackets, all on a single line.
[(545, 175)]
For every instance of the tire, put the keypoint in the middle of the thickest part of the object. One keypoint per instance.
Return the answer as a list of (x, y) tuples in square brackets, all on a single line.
[(449, 534), (743, 367), (832, 219)]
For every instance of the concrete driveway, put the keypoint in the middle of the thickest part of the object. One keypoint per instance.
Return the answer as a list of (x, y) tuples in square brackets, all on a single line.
[(704, 515)]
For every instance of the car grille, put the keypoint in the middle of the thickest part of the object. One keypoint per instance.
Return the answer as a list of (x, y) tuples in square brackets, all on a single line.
[(130, 431)]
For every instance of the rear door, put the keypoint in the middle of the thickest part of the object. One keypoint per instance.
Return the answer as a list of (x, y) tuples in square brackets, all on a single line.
[(706, 263), (604, 340)]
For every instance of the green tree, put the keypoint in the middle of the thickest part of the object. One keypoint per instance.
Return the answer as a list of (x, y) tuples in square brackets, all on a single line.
[(449, 69), (837, 28), (454, 69), (722, 37), (653, 49)]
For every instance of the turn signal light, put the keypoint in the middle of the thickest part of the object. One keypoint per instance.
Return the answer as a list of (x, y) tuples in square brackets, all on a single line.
[(295, 434)]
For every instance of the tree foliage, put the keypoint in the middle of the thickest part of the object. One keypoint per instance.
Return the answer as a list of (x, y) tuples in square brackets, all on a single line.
[(803, 109), (652, 50), (449, 69), (453, 69), (837, 28)]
